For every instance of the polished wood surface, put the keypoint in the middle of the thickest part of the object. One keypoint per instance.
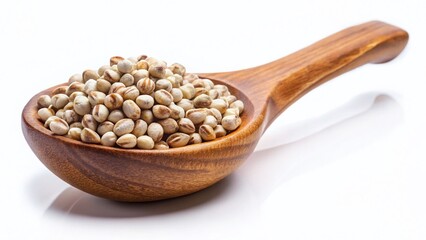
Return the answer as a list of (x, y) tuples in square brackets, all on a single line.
[(145, 175)]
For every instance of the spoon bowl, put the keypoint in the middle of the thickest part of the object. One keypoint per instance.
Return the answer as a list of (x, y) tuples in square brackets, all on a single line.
[(136, 175)]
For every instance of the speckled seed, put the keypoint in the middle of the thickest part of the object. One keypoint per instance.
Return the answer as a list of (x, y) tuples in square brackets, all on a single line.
[(76, 125), (231, 112), (59, 90), (157, 69), (186, 104), (213, 93), (140, 74), (221, 89), (178, 140), (163, 97), (90, 74), (75, 87), (130, 93), (178, 69), (142, 64), (188, 91), (195, 138), (147, 116), (60, 113), (114, 60), (127, 79), (197, 115), (220, 105), (215, 113), (207, 133), (103, 85), (100, 113), (74, 133), (163, 84), (59, 100), (169, 125), (102, 69), (173, 81), (76, 94), (231, 122), (177, 94), (238, 104), (145, 101), (45, 113), (161, 112), (75, 78), (220, 131), (131, 109), (176, 112), (161, 145), (230, 99), (155, 131), (44, 101), (145, 86), (59, 126), (96, 97), (117, 87), (211, 121), (88, 121), (48, 120), (113, 101), (123, 126), (140, 128), (115, 115), (71, 116), (198, 83), (125, 66), (108, 139), (145, 142), (81, 105), (89, 136), (111, 76), (202, 101), (178, 78), (200, 91), (190, 77), (186, 126), (105, 127)]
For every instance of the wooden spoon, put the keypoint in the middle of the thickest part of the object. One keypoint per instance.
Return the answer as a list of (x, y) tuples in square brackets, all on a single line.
[(146, 175)]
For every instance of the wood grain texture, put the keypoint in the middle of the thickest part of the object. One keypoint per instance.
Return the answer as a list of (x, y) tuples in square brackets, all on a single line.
[(146, 175)]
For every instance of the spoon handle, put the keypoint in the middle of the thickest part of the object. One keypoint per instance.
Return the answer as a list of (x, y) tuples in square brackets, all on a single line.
[(280, 83)]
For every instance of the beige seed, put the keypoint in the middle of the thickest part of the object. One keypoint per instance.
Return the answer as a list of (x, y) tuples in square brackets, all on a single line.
[(96, 97), (145, 142), (163, 97), (230, 99), (131, 109), (113, 101), (231, 112), (169, 125), (102, 69), (168, 73), (123, 126), (176, 112), (75, 78), (111, 76), (125, 66), (161, 112), (115, 59), (220, 131), (90, 74), (213, 93), (81, 105), (186, 126), (178, 140), (59, 126), (100, 113), (142, 57), (44, 101), (198, 83), (103, 85), (59, 90), (115, 116), (190, 77), (69, 106), (76, 94), (231, 122), (173, 81), (178, 69), (186, 104), (59, 100), (76, 125), (75, 87), (178, 78), (196, 115), (163, 84), (142, 64), (177, 94), (117, 87), (48, 120), (89, 136), (151, 60), (199, 91), (140, 74), (140, 128), (130, 93), (71, 116), (202, 101), (195, 138), (215, 113), (211, 121), (188, 91), (108, 139), (145, 86), (45, 113), (207, 133), (155, 131), (147, 116), (127, 79), (220, 105), (145, 101), (161, 145), (208, 84), (74, 133), (238, 104), (221, 89), (60, 113), (105, 127), (88, 121), (157, 69)]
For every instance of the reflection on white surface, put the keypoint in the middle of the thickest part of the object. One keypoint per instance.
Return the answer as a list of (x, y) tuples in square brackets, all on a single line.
[(234, 205)]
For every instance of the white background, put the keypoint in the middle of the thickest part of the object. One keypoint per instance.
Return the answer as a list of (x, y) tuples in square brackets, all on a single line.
[(347, 161)]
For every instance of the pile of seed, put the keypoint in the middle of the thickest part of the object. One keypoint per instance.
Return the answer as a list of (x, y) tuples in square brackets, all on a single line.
[(140, 102)]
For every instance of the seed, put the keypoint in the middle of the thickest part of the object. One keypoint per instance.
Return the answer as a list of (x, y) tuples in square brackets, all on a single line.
[(117, 87), (100, 113), (71, 116), (125, 66), (161, 112), (59, 100), (147, 116), (186, 126), (161, 145), (199, 91), (145, 142), (195, 138), (213, 93), (59, 126), (140, 128), (207, 133), (102, 69), (163, 84), (48, 120), (220, 131), (130, 93), (231, 122), (208, 84), (186, 104), (108, 139), (103, 85), (89, 136), (173, 81), (178, 69), (168, 73), (155, 131), (123, 126), (90, 74), (90, 86), (44, 101), (196, 115), (89, 121), (188, 91), (190, 77), (230, 99), (221, 89), (219, 104), (74, 133), (45, 113), (142, 64), (198, 83), (177, 140), (76, 125), (211, 121), (115, 116), (202, 101), (75, 87), (127, 79), (169, 125), (96, 97), (157, 69), (81, 105), (140, 74), (231, 112), (60, 113), (177, 94), (176, 112), (111, 76), (113, 101), (114, 60), (75, 78), (215, 113), (163, 97), (105, 127), (59, 90), (131, 109), (75, 94), (145, 86), (238, 104), (145, 101)]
